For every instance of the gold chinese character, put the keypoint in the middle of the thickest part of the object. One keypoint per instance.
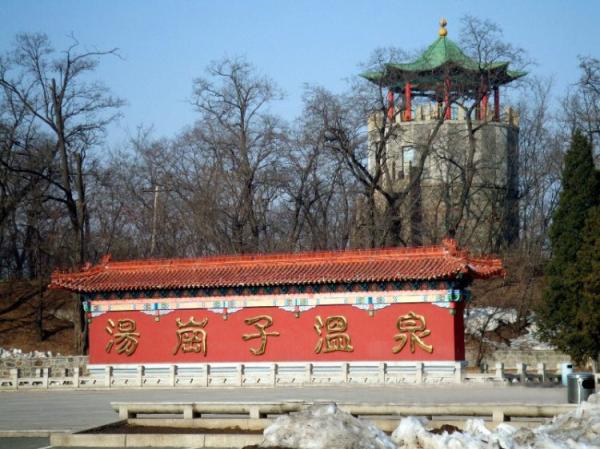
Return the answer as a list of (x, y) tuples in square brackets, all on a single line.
[(336, 338), (125, 338), (256, 322), (191, 336), (412, 325)]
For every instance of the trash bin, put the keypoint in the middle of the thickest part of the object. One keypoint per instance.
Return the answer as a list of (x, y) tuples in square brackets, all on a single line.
[(565, 370), (580, 387)]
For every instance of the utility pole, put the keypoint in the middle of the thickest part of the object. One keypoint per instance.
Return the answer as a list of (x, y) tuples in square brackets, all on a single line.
[(154, 221)]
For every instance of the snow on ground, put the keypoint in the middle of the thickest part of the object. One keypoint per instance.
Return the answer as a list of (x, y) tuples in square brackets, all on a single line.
[(529, 340), (488, 319), (326, 427), (579, 429), (18, 354)]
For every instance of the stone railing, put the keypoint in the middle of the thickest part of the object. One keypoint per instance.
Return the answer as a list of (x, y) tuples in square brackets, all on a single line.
[(239, 375), (273, 375), (429, 112), (32, 366), (521, 373), (40, 371)]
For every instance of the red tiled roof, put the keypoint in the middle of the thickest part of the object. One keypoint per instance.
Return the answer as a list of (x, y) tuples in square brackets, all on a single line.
[(374, 265)]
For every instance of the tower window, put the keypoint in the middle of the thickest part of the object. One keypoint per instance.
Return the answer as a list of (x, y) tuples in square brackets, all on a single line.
[(409, 155)]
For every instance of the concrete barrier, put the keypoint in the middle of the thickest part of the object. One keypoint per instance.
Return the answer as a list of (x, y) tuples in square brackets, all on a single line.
[(225, 429), (260, 410)]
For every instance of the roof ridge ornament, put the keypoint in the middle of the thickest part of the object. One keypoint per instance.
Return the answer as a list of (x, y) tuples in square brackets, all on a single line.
[(451, 246), (443, 32)]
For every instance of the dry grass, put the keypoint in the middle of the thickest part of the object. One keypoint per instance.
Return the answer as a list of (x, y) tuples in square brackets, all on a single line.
[(19, 324)]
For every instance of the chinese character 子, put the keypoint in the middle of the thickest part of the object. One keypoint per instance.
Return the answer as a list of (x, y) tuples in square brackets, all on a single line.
[(261, 322), (335, 338), (123, 336), (191, 336), (412, 328)]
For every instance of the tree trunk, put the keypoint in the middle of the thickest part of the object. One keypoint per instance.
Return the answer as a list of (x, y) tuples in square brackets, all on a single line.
[(61, 146), (80, 328), (40, 312)]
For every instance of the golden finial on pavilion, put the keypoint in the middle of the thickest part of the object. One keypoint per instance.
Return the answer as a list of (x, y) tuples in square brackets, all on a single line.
[(443, 31)]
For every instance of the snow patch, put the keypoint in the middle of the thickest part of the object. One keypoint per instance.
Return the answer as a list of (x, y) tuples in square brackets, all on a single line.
[(326, 427), (488, 319), (19, 354)]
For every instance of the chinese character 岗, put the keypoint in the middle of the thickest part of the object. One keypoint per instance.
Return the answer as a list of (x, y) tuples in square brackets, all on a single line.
[(191, 336)]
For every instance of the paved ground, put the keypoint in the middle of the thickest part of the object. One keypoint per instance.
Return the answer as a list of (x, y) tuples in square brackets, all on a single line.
[(23, 443), (74, 410)]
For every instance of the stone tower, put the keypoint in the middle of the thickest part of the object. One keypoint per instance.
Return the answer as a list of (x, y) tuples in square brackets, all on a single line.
[(453, 151)]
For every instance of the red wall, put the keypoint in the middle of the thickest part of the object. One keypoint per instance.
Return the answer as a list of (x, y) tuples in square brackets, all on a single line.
[(372, 338)]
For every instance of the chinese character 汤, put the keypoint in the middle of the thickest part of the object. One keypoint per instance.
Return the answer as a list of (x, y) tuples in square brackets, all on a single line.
[(125, 337), (335, 338), (191, 336), (261, 322), (412, 328)]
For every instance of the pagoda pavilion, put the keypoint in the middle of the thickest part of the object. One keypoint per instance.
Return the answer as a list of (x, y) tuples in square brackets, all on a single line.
[(443, 73), (446, 94)]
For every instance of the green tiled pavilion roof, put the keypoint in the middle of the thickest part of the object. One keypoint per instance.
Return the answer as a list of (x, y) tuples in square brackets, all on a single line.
[(443, 51), (441, 57)]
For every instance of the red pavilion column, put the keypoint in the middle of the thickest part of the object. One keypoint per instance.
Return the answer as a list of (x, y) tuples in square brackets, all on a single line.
[(496, 103), (448, 114), (484, 105), (408, 102), (484, 101), (390, 102)]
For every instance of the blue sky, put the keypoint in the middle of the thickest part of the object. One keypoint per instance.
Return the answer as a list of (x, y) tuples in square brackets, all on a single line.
[(166, 44)]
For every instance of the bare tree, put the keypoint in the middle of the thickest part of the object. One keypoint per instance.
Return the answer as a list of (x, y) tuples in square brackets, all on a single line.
[(321, 209), (478, 183), (54, 91), (582, 101), (235, 125)]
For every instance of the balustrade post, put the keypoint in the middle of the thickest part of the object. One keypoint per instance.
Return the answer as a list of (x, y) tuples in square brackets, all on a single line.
[(419, 372), (139, 376), (458, 372), (108, 372), (76, 374), (274, 374), (14, 376), (172, 375), (240, 374), (308, 373), (541, 370), (499, 371), (522, 372), (45, 375), (381, 373), (204, 379)]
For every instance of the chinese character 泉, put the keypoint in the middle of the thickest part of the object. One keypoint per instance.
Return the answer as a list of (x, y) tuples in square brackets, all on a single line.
[(412, 328)]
